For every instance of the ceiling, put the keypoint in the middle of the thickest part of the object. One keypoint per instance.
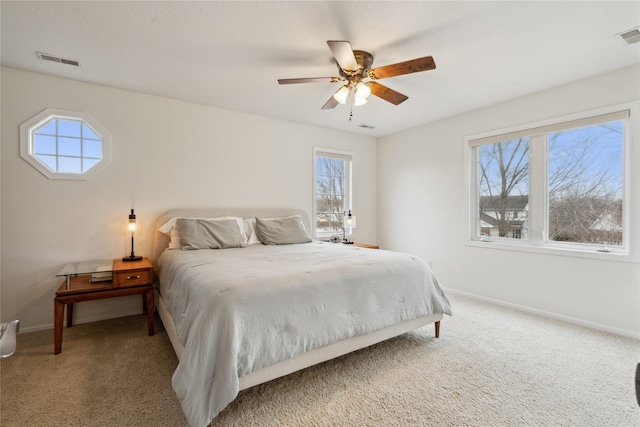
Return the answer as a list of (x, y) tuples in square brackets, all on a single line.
[(230, 54)]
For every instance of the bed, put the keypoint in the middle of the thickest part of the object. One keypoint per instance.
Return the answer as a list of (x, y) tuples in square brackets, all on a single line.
[(245, 313)]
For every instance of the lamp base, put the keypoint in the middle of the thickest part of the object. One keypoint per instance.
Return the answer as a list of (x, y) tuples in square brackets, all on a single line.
[(347, 242), (132, 258)]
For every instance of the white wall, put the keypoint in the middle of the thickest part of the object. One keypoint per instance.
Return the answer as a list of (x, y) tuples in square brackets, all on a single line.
[(420, 210), (165, 154)]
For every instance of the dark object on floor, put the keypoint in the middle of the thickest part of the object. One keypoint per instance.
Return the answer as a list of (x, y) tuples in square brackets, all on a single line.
[(638, 384)]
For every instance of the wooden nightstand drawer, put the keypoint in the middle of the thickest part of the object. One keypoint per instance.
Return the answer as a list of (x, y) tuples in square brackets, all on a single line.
[(132, 278), (132, 273)]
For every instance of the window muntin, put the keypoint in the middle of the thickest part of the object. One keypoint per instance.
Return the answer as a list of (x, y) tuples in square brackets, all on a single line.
[(575, 195), (332, 191), (64, 144)]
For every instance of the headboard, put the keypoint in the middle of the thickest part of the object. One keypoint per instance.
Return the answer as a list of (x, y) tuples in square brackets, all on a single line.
[(161, 241)]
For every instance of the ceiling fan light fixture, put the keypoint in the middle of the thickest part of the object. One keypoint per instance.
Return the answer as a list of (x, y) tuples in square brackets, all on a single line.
[(342, 94), (362, 91), (359, 101)]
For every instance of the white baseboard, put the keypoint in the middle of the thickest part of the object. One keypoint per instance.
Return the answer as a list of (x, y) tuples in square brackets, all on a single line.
[(592, 325), (92, 317)]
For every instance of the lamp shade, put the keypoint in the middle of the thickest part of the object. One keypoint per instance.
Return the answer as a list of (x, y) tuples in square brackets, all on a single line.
[(132, 221), (349, 220), (342, 94), (359, 101), (362, 91)]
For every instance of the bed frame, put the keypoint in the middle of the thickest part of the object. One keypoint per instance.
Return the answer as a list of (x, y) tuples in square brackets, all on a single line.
[(299, 362)]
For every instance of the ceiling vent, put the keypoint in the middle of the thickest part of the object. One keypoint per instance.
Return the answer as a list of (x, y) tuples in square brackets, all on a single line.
[(631, 36), (53, 58)]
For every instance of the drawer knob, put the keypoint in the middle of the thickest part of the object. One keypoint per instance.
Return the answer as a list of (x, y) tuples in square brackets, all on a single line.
[(132, 277)]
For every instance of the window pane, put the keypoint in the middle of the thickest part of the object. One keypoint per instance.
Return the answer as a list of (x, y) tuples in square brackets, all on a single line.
[(321, 166), (49, 161), (330, 194), (69, 147), (322, 222), (69, 165), (88, 133), (69, 128), (503, 180), (48, 129), (44, 144), (336, 222), (92, 149), (585, 182), (330, 185), (88, 164)]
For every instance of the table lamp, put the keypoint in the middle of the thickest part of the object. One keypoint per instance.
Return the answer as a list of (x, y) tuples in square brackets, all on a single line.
[(132, 226), (350, 223)]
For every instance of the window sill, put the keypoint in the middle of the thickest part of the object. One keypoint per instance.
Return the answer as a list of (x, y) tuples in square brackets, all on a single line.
[(552, 250)]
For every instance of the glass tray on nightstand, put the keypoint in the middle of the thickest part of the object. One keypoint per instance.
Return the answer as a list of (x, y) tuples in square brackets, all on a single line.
[(99, 270)]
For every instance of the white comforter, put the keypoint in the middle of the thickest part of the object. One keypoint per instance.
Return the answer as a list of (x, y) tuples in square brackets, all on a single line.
[(238, 310)]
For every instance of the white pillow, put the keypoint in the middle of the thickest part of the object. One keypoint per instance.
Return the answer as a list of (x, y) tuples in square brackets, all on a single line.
[(250, 231), (209, 233), (169, 228), (282, 231)]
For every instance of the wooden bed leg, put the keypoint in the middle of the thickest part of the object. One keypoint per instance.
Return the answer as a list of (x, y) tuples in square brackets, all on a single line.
[(437, 324)]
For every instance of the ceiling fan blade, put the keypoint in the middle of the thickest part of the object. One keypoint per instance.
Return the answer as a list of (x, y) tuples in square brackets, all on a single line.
[(406, 67), (309, 80), (387, 94), (331, 103), (344, 55)]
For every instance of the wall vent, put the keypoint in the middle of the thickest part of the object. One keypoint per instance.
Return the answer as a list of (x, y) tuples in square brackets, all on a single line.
[(631, 36), (53, 58)]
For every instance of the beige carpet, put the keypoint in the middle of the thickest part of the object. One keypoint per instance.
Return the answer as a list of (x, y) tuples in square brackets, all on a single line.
[(492, 366)]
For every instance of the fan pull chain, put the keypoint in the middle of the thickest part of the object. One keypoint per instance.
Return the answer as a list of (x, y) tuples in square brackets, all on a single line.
[(351, 108)]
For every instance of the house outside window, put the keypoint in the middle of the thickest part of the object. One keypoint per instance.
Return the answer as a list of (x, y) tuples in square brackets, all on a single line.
[(559, 185), (64, 144), (332, 170), (503, 217)]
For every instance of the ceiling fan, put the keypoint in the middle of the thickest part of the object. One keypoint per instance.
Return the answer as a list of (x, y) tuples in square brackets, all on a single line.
[(354, 67)]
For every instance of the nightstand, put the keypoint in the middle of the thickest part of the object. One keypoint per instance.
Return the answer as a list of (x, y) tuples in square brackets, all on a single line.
[(92, 280), (364, 245)]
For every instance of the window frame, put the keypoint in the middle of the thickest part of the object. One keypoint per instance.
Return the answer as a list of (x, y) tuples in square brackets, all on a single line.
[(538, 206), (27, 149), (348, 196)]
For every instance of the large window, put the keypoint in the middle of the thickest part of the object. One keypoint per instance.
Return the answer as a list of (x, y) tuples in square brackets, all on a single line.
[(332, 190), (561, 185), (64, 144)]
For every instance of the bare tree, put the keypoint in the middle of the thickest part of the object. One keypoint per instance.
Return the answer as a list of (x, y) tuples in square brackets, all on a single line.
[(330, 182), (585, 188), (504, 171)]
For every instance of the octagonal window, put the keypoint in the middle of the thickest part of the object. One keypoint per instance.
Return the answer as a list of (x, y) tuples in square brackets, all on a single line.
[(64, 144)]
